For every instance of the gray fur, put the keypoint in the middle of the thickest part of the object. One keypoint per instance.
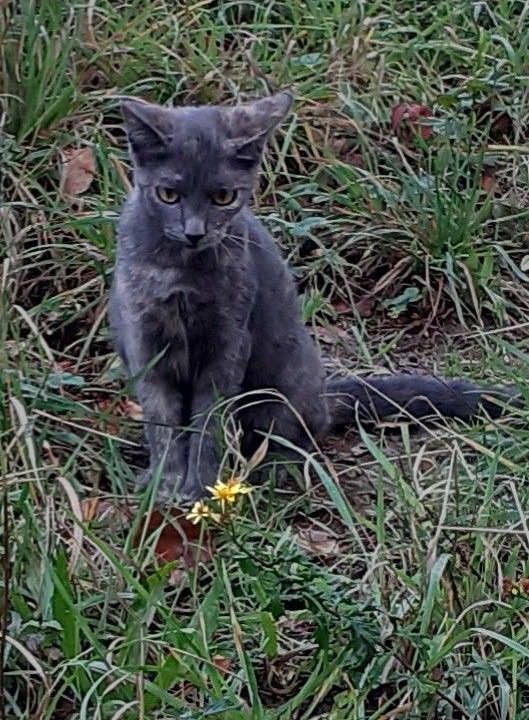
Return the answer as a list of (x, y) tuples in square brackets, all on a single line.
[(202, 306)]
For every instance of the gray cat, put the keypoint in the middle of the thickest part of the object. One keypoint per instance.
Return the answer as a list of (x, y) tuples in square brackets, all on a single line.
[(203, 308)]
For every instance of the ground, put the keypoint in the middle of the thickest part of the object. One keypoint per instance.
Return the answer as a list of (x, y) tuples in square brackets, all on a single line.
[(389, 579)]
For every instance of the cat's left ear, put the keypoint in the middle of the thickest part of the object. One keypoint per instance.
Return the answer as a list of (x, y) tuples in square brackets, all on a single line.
[(250, 125), (149, 127)]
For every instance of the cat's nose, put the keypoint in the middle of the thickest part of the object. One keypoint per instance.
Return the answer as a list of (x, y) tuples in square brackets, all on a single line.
[(194, 229), (194, 238)]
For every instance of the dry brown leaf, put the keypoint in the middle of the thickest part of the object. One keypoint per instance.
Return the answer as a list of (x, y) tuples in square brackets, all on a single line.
[(94, 508), (365, 306), (506, 587), (89, 508), (353, 158), (222, 664), (523, 584), (317, 542), (488, 180), (330, 335), (131, 409), (406, 120), (66, 365), (258, 456), (108, 423), (341, 307), (179, 539), (112, 411), (77, 171)]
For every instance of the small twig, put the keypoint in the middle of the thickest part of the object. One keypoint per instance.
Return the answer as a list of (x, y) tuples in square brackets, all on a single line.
[(5, 599), (522, 149)]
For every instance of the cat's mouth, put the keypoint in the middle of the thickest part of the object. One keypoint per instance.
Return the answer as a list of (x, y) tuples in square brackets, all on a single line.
[(206, 241)]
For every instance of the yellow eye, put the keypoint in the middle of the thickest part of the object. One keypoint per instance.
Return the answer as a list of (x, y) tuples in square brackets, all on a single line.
[(167, 195), (223, 197)]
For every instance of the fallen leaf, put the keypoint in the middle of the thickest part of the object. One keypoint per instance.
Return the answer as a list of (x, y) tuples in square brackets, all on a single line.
[(178, 539), (317, 542), (66, 365), (330, 335), (523, 584), (108, 423), (500, 123), (113, 410), (365, 306), (131, 409), (404, 120), (488, 180), (524, 265), (77, 171), (353, 158), (341, 306), (506, 587), (49, 454), (337, 145), (94, 508), (222, 664), (88, 508), (258, 457)]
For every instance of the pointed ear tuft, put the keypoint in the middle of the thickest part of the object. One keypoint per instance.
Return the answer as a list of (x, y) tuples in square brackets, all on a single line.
[(250, 125), (259, 117), (148, 126)]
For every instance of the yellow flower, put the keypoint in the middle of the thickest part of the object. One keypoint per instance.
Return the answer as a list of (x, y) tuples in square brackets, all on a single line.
[(226, 492), (200, 511), (237, 487)]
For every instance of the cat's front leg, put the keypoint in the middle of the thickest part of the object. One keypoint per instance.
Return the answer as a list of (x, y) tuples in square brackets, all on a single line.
[(168, 443), (206, 430)]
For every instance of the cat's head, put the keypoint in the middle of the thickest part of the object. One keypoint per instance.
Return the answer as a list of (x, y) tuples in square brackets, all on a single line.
[(195, 167)]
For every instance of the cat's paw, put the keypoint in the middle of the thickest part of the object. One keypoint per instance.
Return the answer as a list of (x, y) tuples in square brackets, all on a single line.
[(194, 485), (167, 486), (143, 479)]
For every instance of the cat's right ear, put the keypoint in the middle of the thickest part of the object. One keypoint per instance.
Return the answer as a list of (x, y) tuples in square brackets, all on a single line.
[(148, 126), (250, 125)]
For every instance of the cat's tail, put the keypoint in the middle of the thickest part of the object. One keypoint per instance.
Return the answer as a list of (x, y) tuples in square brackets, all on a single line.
[(413, 397)]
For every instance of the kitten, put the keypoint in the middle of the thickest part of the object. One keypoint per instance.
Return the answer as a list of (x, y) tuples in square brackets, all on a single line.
[(203, 308)]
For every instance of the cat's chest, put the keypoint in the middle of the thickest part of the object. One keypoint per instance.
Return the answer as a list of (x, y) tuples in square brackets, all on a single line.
[(188, 319), (181, 315), (170, 297), (170, 323)]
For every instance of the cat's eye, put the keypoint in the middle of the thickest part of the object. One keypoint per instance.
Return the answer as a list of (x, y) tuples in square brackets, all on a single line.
[(223, 197), (167, 195)]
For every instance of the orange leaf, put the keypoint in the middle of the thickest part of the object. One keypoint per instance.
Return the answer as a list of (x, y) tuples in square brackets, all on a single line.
[(222, 664), (124, 407), (77, 171), (340, 306), (353, 158), (524, 586), (404, 117), (365, 306), (178, 539), (488, 180), (93, 508), (88, 508), (131, 409)]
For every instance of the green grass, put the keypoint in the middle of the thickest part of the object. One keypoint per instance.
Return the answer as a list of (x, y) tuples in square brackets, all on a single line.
[(396, 609)]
